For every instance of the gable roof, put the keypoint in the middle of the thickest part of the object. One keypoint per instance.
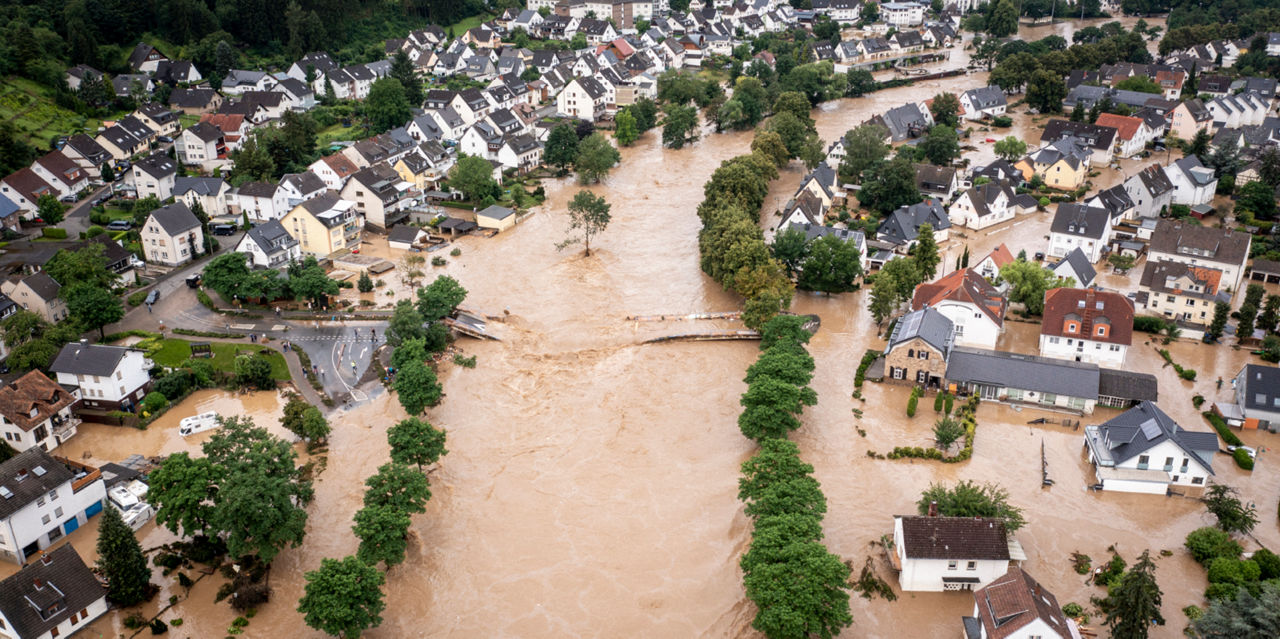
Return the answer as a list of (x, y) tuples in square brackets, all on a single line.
[(902, 226), (1126, 126), (927, 324), (1095, 136), (1090, 308), (1080, 220), (1218, 245), (1145, 426), (1081, 270), (175, 218), (1261, 387), (1158, 272), (204, 131), (960, 538), (271, 237), (986, 97), (1154, 180), (39, 473), (1128, 385), (964, 286), (88, 148), (1015, 600), (195, 98), (43, 285), (33, 392), (1027, 372), (67, 586), (158, 165)]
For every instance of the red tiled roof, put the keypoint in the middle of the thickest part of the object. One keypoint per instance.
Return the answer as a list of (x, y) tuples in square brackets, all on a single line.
[(1125, 126), (1011, 602), (1116, 311), (33, 391), (1000, 255), (341, 164), (962, 286)]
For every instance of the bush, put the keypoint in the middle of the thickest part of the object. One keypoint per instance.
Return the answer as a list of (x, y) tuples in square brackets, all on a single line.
[(911, 405), (1242, 458), (868, 358), (1197, 401), (438, 261), (53, 233), (1208, 543), (205, 300), (1188, 374), (937, 403), (153, 402), (1002, 121), (159, 627), (136, 298), (1223, 431), (465, 362), (1148, 324), (94, 231), (455, 252), (949, 403)]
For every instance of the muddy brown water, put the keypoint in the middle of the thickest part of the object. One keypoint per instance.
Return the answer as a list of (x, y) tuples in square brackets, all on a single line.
[(590, 488)]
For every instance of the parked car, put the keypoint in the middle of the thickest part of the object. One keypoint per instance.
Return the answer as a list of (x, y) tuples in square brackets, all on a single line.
[(100, 200), (224, 229), (1252, 452), (193, 281), (164, 138), (119, 225), (153, 297), (69, 198)]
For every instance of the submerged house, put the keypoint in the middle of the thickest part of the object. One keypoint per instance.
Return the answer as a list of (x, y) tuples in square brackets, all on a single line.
[(1144, 451)]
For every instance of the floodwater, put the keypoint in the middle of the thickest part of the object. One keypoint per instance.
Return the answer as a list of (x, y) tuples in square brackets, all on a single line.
[(590, 488)]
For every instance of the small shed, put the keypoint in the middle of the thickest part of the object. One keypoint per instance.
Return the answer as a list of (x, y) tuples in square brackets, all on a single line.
[(496, 217), (403, 236), (456, 226), (1265, 271)]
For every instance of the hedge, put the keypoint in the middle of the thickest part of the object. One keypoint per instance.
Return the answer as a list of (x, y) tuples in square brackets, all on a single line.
[(53, 233), (970, 423), (1223, 431), (867, 359), (1148, 324), (1242, 458), (136, 298)]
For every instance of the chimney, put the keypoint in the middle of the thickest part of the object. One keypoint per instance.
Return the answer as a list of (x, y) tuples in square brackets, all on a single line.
[(39, 583), (22, 474), (933, 509), (45, 558)]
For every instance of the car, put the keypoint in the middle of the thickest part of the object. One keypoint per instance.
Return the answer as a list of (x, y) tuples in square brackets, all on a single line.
[(70, 198), (355, 251), (193, 281), (119, 225), (152, 297), (99, 201), (224, 229), (1252, 452), (1039, 256), (164, 138)]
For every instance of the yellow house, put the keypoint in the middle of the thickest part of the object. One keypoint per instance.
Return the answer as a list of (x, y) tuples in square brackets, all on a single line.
[(1062, 165), (324, 225), (425, 166)]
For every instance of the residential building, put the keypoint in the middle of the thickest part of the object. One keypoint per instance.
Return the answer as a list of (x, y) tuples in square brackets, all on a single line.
[(1015, 606), (61, 172), (1257, 395), (1086, 325), (983, 206), (108, 377), (1181, 292), (1079, 226), (268, 245), (212, 194), (235, 128), (814, 231), (86, 153), (172, 235), (154, 175), (1189, 118), (324, 225), (1116, 201), (261, 201), (334, 169), (24, 187), (939, 554), (1063, 164), (910, 120), (984, 102), (1132, 133), (195, 101), (68, 593), (1027, 379), (496, 217), (1193, 183), (159, 119), (35, 412), (145, 58), (902, 226), (1143, 450), (989, 266), (38, 293), (918, 349), (1077, 268), (45, 498), (380, 195), (902, 15), (1193, 244), (972, 304), (1151, 192), (1099, 140), (82, 74), (201, 144), (933, 181), (582, 98)]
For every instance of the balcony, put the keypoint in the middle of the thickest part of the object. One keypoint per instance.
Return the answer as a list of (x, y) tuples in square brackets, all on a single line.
[(63, 425)]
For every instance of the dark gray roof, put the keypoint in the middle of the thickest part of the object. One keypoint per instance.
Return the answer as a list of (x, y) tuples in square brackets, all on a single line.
[(1261, 388), (196, 98), (1155, 181), (113, 474), (305, 182), (986, 97), (1096, 136), (88, 359), (1115, 199), (403, 233), (89, 148), (928, 324), (954, 538), (39, 472), (1025, 372), (205, 131), (158, 165), (257, 189), (1080, 220), (67, 587), (1080, 266), (271, 237), (903, 225), (199, 185), (1128, 385), (1212, 244), (497, 212), (175, 218), (43, 284), (1145, 426), (815, 231)]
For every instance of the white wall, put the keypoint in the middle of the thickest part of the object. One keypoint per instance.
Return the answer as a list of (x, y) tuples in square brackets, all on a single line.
[(973, 327), (1100, 353), (28, 524), (130, 375)]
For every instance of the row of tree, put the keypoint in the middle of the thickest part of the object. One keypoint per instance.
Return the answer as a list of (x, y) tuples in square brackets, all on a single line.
[(800, 589), (417, 332)]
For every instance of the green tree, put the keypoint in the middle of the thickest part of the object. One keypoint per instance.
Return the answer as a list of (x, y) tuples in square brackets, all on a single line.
[(1003, 21), (308, 281), (1010, 149), (1134, 605), (253, 371), (1257, 198), (589, 216), (387, 105), (474, 177), (343, 597), (415, 441), (969, 499), (1270, 314), (304, 420), (926, 253), (889, 186), (579, 41), (182, 489), (121, 562), (801, 141), (784, 329), (92, 306), (87, 265), (1045, 90), (680, 125), (417, 387), (403, 71), (365, 283), (804, 595), (790, 247), (440, 298), (562, 146), (946, 109), (252, 163), (1141, 84), (894, 285), (860, 82), (398, 487), (790, 363), (596, 156), (646, 114), (771, 407), (832, 265), (1233, 515), (50, 209), (777, 462), (947, 431), (625, 128), (864, 149), (383, 533), (1028, 283), (1248, 313), (406, 323), (1247, 616), (1221, 311), (795, 103), (768, 145)]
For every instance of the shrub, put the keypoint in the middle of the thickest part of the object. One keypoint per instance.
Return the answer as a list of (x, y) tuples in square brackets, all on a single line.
[(949, 402), (1223, 431), (1148, 324), (153, 402), (1242, 458), (1188, 374), (911, 405), (205, 300), (455, 252), (159, 627), (1208, 543), (1197, 401), (868, 358), (465, 362), (1002, 121), (136, 298), (937, 403)]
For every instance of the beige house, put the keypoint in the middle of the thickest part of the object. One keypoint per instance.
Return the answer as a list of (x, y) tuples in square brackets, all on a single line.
[(1189, 118), (1181, 292), (496, 217), (38, 293), (324, 224), (1062, 165), (172, 235), (917, 352)]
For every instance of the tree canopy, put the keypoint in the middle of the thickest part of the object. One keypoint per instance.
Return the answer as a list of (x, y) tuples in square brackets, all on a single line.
[(596, 157), (588, 216), (970, 499), (343, 597)]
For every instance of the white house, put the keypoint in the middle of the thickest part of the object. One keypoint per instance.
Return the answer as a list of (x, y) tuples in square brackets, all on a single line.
[(582, 98), (212, 194), (1132, 133), (1086, 325), (1079, 226), (1015, 606), (1257, 394), (935, 554), (1195, 245), (61, 172), (1150, 190), (72, 595), (983, 102), (44, 500), (172, 235), (983, 206), (153, 176), (202, 144), (108, 377), (971, 303), (1193, 183), (1143, 450), (1077, 268), (901, 15), (35, 412), (268, 245), (262, 201)]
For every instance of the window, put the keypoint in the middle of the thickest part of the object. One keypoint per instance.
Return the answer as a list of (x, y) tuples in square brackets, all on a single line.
[(57, 512), (119, 375), (40, 502), (53, 494), (1102, 330), (53, 632), (973, 565), (952, 565), (1143, 460), (44, 520), (924, 354), (1197, 480)]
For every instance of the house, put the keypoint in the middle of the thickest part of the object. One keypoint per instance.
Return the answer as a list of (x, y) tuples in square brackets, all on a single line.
[(1193, 244), (145, 58), (195, 101), (1076, 267), (1132, 134), (936, 181), (1116, 201), (496, 217), (903, 225), (1079, 226), (56, 596), (261, 201), (175, 72), (61, 172), (380, 195), (984, 102), (82, 74), (973, 305), (107, 377), (158, 119), (315, 64), (235, 128), (521, 152), (9, 219), (1099, 140), (86, 153), (1151, 192), (45, 498), (582, 98), (910, 120), (120, 143), (35, 412), (238, 81), (989, 266), (201, 144), (1086, 325), (1189, 118), (918, 349), (334, 170), (1193, 183), (268, 245), (1063, 164), (211, 194), (901, 15), (135, 86), (937, 554), (1015, 606), (823, 183), (324, 225), (119, 261), (814, 231), (1027, 379), (983, 206), (38, 293), (1180, 291), (404, 237), (24, 188), (1257, 395), (172, 235), (1143, 450), (153, 176), (297, 187)]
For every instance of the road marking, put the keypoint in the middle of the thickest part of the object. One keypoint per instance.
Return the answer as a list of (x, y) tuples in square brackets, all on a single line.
[(244, 327), (278, 327)]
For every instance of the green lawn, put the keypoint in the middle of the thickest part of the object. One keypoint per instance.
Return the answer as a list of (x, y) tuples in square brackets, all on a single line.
[(462, 26), (173, 352), (116, 213), (29, 107)]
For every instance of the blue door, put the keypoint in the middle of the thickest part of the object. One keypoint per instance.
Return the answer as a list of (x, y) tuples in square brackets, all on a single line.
[(93, 509), (70, 525)]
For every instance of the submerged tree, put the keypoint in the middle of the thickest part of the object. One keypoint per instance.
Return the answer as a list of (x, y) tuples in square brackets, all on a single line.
[(1134, 605), (589, 215), (343, 597), (121, 561)]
